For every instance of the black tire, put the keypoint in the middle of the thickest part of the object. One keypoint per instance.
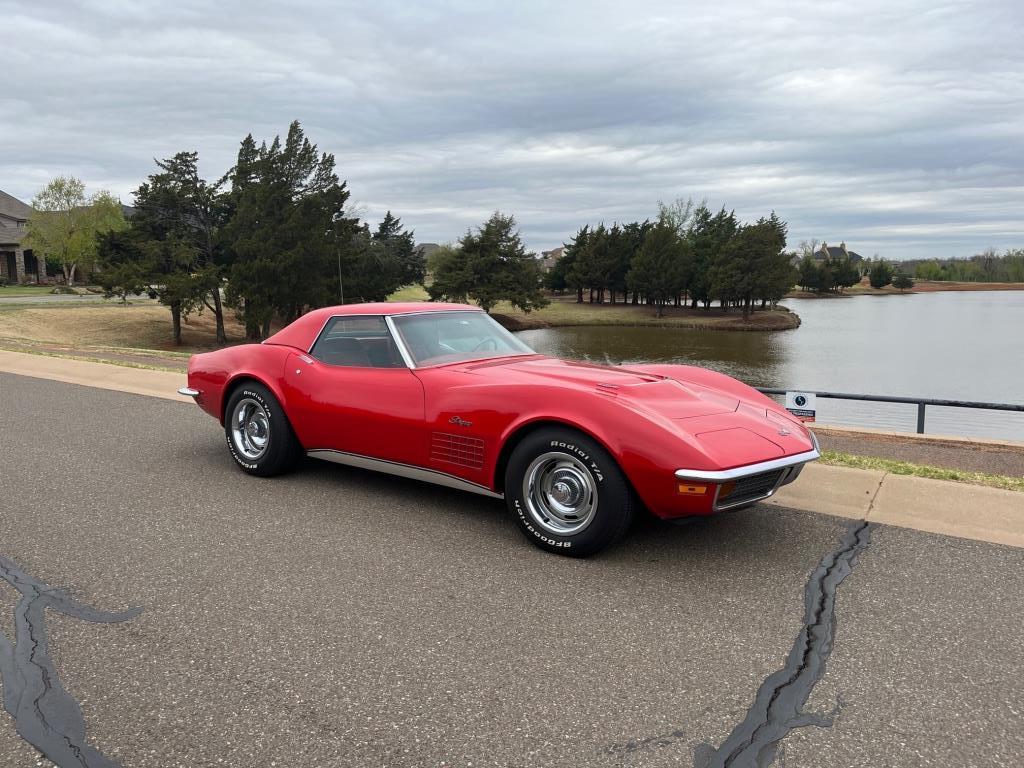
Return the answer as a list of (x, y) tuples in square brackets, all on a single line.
[(572, 468), (267, 448)]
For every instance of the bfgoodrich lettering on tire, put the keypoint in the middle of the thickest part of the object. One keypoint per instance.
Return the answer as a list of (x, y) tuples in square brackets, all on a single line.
[(566, 493), (260, 439)]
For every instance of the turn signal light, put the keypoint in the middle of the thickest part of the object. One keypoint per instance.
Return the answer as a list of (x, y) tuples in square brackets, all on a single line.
[(727, 488), (690, 489)]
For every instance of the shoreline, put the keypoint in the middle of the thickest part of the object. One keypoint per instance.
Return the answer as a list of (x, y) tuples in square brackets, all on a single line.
[(727, 323), (565, 314), (920, 286)]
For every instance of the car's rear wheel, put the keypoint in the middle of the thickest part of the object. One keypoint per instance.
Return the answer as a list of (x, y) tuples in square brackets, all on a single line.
[(566, 492), (260, 439)]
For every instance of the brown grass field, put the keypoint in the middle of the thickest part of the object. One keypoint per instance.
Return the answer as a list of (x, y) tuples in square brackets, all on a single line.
[(136, 326)]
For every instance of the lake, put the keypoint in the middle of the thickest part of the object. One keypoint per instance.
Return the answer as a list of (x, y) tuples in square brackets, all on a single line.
[(965, 345)]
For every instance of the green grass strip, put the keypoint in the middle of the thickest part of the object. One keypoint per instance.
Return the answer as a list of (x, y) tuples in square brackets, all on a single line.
[(896, 467)]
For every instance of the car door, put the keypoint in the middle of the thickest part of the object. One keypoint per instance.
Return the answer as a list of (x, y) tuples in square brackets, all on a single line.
[(353, 393)]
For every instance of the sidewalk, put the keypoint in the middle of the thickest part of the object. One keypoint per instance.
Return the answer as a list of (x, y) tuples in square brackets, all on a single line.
[(935, 506), (138, 381)]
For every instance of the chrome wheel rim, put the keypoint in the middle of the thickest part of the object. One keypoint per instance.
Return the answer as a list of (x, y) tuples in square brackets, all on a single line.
[(560, 493), (250, 429)]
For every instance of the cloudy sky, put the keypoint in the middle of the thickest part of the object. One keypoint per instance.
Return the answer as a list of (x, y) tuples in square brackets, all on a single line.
[(896, 126)]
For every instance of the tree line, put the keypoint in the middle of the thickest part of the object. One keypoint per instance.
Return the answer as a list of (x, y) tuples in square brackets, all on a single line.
[(687, 255), (986, 267), (270, 239)]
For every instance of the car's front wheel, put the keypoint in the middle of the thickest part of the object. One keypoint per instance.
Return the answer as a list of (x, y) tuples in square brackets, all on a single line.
[(260, 439), (566, 492)]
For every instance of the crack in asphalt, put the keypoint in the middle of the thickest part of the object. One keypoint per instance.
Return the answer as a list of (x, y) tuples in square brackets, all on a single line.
[(45, 715), (777, 707)]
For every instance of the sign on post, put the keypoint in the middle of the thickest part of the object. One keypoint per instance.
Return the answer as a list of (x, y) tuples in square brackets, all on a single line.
[(803, 405)]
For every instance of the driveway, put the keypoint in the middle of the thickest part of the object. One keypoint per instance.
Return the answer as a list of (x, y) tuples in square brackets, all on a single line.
[(335, 617)]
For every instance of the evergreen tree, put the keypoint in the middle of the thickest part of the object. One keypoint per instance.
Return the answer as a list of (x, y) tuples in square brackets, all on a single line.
[(405, 265), (492, 265), (708, 235), (573, 256), (881, 274), (656, 272), (175, 228), (902, 281), (453, 277), (808, 274), (125, 268), (287, 230)]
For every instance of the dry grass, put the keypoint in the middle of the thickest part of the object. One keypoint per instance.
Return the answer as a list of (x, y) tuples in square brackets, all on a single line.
[(136, 326)]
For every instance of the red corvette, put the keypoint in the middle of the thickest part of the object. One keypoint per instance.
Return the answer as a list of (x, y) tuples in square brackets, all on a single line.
[(442, 393)]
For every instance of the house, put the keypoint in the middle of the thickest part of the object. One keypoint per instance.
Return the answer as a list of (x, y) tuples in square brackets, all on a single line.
[(17, 264), (830, 251), (549, 258)]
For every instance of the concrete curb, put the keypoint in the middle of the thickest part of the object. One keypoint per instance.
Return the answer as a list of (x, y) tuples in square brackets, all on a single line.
[(936, 506)]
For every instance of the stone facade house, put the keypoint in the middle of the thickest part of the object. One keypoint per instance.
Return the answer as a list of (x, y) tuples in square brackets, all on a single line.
[(834, 252), (17, 264)]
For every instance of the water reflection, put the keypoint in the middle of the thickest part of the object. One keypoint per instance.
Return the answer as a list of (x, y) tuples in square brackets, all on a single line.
[(963, 346)]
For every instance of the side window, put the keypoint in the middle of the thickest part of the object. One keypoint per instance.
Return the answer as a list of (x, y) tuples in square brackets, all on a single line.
[(362, 341)]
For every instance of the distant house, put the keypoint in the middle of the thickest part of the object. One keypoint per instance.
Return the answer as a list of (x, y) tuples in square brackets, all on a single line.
[(831, 251), (427, 249), (549, 258), (17, 264)]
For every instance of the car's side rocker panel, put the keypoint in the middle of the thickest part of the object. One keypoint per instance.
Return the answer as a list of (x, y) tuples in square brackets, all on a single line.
[(402, 470)]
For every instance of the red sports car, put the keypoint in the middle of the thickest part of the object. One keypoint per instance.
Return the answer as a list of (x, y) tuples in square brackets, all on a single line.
[(443, 393)]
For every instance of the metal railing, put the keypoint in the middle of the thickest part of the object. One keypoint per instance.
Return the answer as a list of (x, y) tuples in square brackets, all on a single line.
[(920, 402)]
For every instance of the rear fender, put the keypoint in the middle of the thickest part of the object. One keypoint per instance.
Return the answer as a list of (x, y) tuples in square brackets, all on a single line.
[(216, 374)]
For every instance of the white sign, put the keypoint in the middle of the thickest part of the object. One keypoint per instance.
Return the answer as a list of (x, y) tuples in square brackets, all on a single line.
[(803, 405)]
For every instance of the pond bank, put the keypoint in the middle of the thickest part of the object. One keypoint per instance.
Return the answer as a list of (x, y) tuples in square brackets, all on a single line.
[(561, 314)]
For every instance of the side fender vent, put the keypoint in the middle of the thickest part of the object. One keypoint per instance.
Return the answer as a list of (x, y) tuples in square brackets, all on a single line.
[(457, 449)]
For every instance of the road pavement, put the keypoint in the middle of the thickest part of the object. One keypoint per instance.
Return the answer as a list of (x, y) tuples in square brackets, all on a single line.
[(335, 617)]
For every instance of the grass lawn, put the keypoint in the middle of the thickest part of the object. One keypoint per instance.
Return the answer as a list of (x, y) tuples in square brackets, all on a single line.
[(897, 467)]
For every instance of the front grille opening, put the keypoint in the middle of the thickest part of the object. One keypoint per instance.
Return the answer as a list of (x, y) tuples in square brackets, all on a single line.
[(751, 488)]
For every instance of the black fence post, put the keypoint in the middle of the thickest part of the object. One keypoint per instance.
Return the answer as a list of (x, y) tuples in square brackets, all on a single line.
[(920, 418)]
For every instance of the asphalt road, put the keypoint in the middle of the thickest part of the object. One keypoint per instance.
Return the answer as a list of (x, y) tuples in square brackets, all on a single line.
[(336, 617)]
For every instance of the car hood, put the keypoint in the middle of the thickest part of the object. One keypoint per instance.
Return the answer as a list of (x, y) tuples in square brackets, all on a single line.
[(667, 397)]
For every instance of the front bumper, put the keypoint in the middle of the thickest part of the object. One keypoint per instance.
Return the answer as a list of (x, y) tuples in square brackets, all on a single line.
[(753, 482)]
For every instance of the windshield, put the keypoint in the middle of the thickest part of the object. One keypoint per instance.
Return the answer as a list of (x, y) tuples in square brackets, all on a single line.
[(434, 338)]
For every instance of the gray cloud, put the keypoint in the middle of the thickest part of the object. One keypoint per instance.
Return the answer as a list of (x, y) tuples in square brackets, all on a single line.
[(895, 127)]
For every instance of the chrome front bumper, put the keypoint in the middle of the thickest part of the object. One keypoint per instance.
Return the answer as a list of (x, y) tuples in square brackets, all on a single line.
[(788, 469), (189, 392)]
